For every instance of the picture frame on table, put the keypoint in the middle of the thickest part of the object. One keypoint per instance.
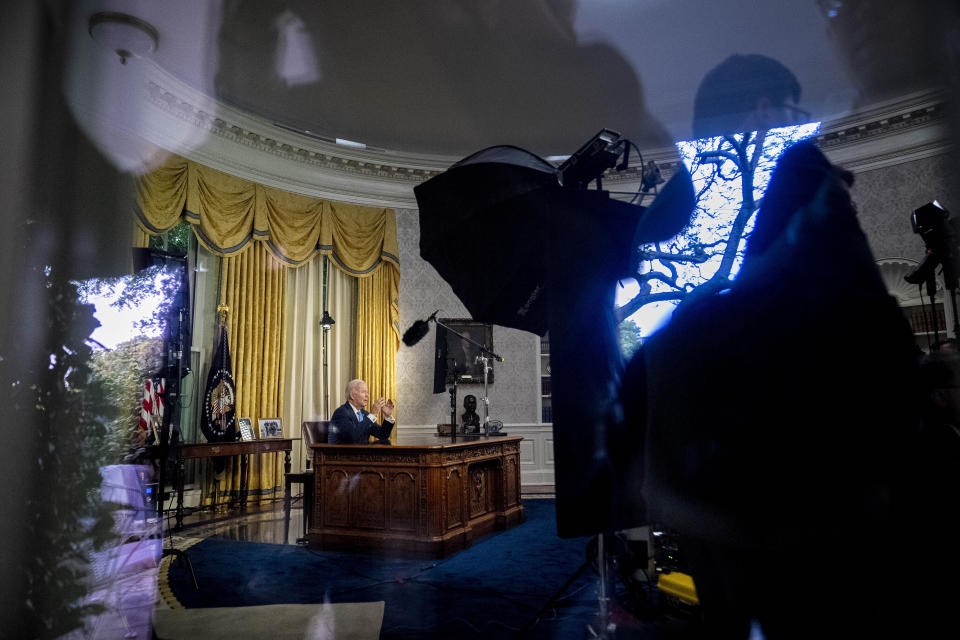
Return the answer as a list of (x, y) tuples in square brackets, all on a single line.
[(270, 428), (246, 429)]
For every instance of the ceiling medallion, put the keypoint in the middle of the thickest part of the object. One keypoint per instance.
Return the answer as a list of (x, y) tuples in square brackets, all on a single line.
[(123, 34)]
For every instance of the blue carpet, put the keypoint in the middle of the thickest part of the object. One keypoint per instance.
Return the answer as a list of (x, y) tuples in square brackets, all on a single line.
[(490, 590)]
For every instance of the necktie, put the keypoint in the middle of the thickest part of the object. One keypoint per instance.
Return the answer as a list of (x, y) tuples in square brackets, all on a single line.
[(359, 417)]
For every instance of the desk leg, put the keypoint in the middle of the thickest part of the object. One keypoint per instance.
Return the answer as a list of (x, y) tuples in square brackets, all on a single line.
[(244, 468), (286, 483)]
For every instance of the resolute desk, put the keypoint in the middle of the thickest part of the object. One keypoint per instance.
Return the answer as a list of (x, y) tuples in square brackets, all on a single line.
[(423, 495)]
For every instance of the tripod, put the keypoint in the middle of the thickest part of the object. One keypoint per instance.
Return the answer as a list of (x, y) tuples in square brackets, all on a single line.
[(602, 627), (175, 370), (453, 406), (486, 361), (934, 325)]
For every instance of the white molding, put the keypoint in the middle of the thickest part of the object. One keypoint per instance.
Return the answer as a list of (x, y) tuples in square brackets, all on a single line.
[(181, 119), (909, 128), (257, 150)]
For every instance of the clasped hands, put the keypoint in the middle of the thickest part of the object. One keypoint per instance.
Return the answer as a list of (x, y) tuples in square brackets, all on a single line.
[(384, 405)]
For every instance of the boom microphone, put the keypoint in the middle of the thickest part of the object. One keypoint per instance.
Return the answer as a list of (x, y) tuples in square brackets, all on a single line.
[(418, 330)]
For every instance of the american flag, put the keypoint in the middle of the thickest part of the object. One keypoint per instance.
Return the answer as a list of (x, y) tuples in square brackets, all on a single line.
[(151, 406)]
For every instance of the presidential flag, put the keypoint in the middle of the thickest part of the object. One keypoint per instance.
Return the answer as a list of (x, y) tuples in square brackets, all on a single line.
[(218, 421)]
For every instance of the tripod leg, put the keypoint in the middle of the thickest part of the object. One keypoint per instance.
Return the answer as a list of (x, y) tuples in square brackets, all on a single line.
[(559, 592), (183, 557), (606, 627)]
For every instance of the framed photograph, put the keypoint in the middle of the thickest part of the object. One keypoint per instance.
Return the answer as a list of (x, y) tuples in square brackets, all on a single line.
[(270, 428), (246, 429), (459, 355)]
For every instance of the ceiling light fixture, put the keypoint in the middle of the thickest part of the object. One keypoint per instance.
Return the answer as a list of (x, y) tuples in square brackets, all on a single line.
[(350, 143), (123, 34)]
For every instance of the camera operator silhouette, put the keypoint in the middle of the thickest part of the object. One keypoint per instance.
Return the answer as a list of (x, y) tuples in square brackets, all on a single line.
[(819, 428)]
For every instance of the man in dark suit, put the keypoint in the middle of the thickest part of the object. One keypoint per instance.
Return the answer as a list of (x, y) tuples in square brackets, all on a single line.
[(351, 423)]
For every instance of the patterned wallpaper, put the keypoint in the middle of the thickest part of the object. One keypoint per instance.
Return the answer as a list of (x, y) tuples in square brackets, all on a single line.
[(886, 197), (514, 395)]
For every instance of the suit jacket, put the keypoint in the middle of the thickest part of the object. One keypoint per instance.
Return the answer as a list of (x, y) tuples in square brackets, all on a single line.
[(346, 429)]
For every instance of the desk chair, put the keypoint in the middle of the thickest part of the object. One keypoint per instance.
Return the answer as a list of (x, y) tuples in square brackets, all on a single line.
[(311, 432)]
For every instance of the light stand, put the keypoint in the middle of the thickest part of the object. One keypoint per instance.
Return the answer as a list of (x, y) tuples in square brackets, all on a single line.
[(174, 370), (485, 360), (952, 292), (326, 323), (932, 295), (453, 406), (940, 235), (485, 400), (605, 626)]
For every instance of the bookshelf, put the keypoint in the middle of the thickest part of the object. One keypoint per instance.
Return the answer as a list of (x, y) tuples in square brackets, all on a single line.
[(546, 407)]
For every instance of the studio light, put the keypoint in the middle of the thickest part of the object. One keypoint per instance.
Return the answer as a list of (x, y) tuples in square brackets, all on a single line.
[(589, 162)]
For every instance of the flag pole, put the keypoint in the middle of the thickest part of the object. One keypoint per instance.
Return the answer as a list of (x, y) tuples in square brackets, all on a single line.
[(222, 311)]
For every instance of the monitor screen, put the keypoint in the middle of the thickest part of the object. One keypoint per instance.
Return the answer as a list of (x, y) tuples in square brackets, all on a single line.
[(144, 321), (456, 356)]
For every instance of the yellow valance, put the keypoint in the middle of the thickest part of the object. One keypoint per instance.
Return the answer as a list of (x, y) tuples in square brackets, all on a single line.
[(228, 212)]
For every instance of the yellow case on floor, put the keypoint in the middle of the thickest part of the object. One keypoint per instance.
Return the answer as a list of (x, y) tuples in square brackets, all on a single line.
[(678, 585)]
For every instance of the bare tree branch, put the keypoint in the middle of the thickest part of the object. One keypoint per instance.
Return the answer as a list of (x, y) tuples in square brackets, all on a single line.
[(705, 155), (680, 261), (710, 245), (747, 208), (697, 256), (757, 151), (643, 299), (645, 278)]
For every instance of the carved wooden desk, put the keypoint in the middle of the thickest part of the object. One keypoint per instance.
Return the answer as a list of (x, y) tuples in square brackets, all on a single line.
[(423, 495), (242, 448)]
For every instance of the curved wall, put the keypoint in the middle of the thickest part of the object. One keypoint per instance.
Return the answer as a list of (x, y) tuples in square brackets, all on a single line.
[(899, 151)]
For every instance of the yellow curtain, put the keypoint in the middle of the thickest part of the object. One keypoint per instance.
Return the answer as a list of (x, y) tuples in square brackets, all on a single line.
[(259, 229), (162, 196), (141, 239), (378, 333), (359, 238), (305, 397), (253, 289), (228, 212)]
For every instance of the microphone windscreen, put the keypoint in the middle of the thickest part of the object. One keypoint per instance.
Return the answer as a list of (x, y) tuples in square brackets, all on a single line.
[(416, 332)]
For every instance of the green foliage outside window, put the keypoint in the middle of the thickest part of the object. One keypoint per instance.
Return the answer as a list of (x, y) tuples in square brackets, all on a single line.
[(57, 397), (175, 241), (121, 373), (629, 338)]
